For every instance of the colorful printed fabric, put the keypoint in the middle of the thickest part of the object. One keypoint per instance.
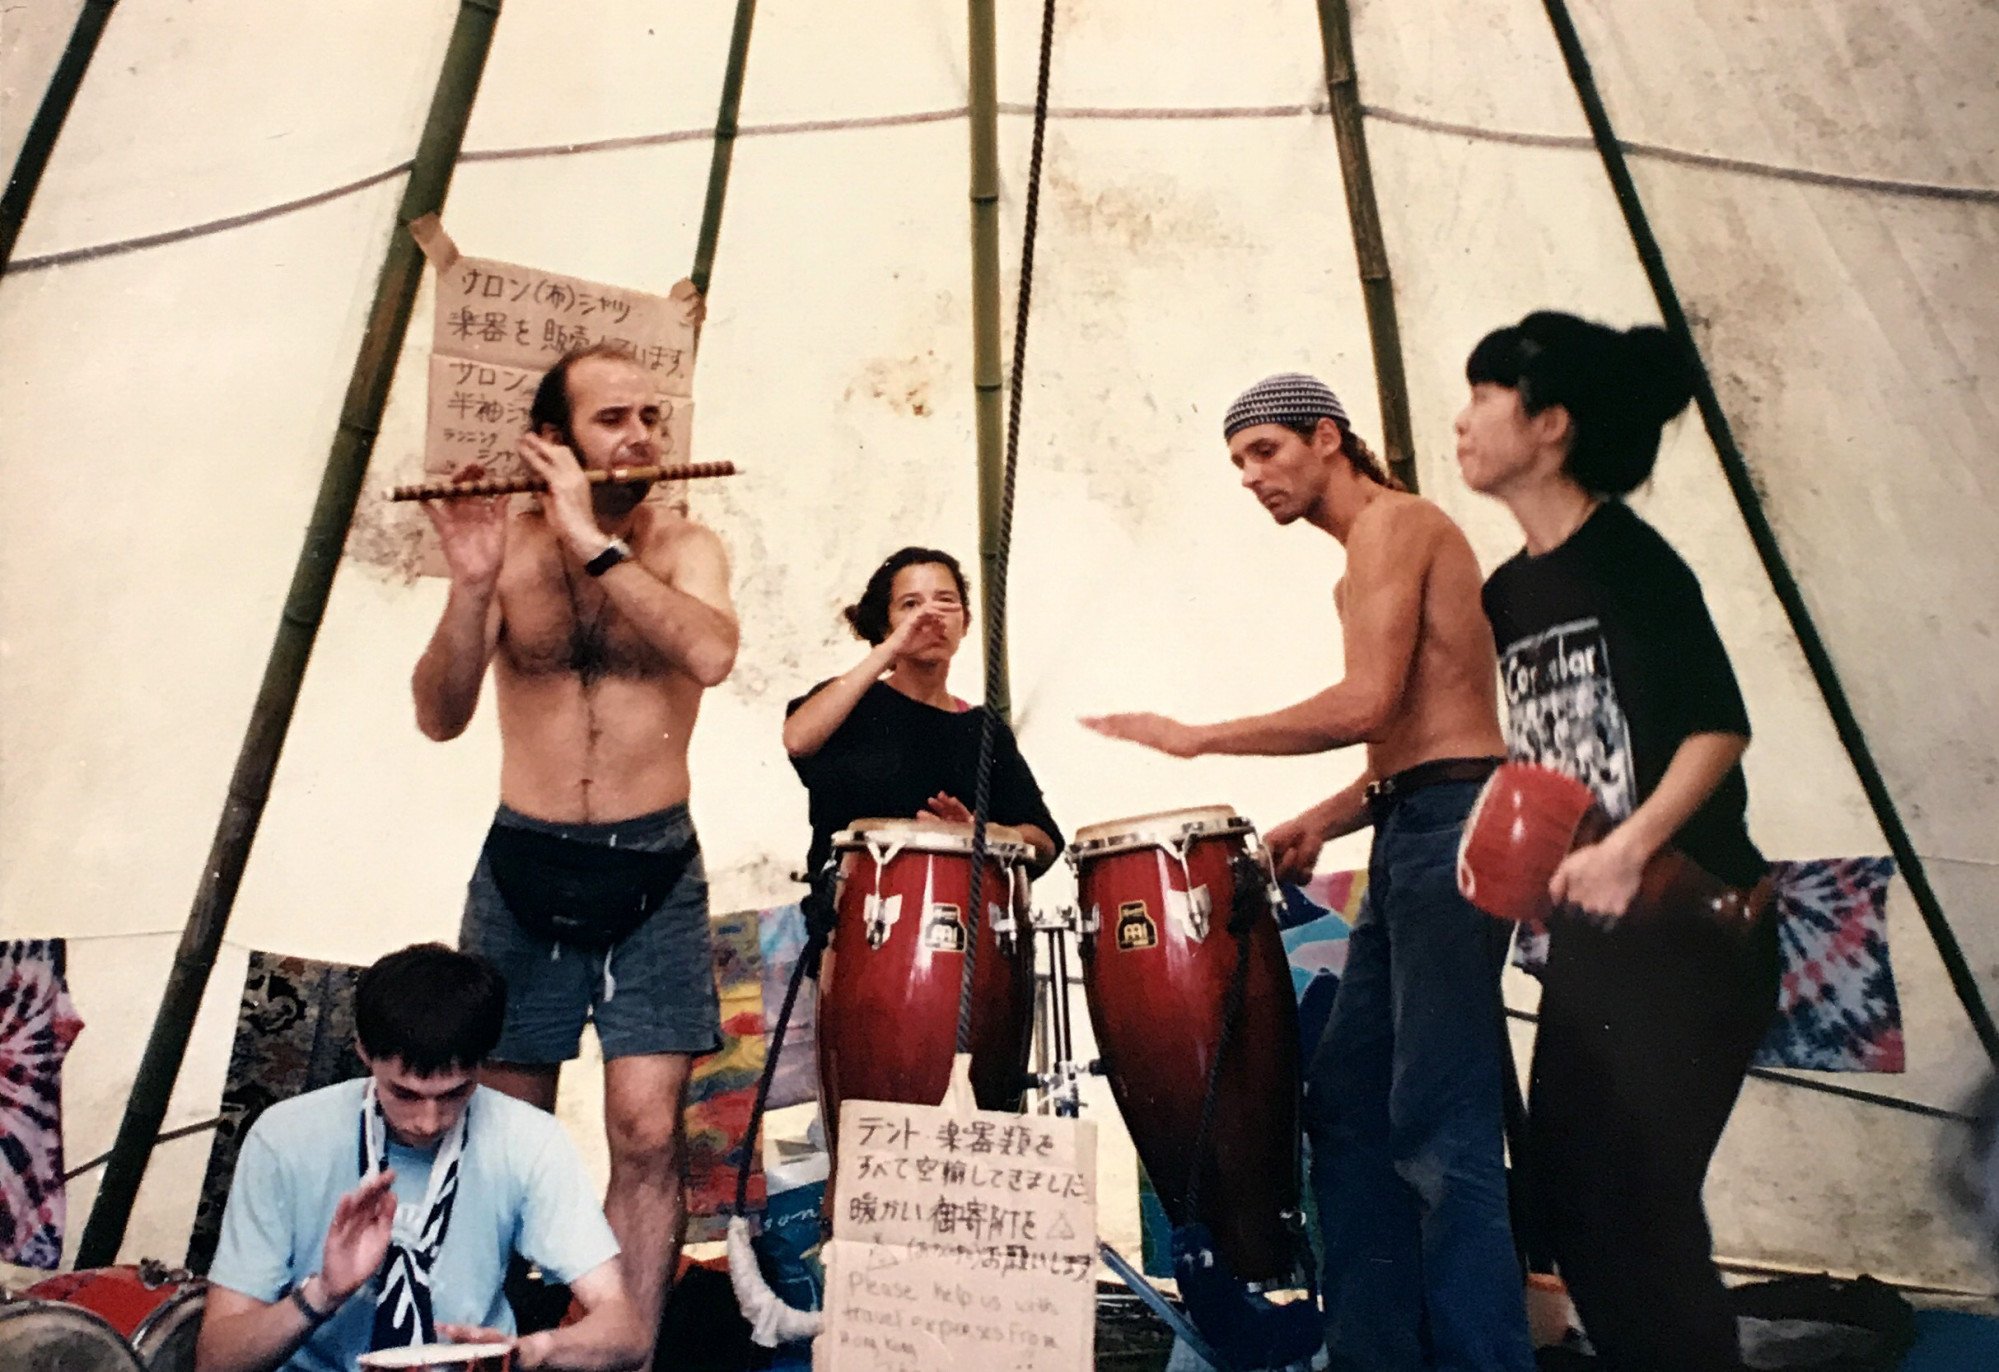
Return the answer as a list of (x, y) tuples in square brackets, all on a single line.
[(797, 1079), (294, 1033), (37, 1025), (724, 1084), (1836, 1007)]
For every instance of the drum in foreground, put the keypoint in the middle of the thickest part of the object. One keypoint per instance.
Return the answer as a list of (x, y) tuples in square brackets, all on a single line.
[(889, 985), (1529, 818), (441, 1357), (158, 1311), (48, 1336), (1156, 894)]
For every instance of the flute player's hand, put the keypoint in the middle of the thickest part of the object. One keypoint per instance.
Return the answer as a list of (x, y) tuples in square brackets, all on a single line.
[(571, 513), (472, 531)]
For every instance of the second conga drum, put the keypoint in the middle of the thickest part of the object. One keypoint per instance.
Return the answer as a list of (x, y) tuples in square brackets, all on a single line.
[(889, 985), (1156, 894)]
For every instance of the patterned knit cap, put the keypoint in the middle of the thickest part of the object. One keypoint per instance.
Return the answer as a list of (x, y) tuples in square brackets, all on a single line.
[(1287, 398)]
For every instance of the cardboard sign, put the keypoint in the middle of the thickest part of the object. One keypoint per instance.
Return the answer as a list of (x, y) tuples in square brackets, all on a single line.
[(499, 326), (961, 1239)]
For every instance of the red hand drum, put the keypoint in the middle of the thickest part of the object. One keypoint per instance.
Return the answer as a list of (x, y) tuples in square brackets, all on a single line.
[(889, 985), (157, 1311), (1529, 818), (441, 1357), (1157, 893), (1523, 824)]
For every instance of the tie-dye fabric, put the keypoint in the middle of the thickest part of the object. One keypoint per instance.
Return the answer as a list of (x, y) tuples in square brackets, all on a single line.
[(37, 1025), (1836, 1007)]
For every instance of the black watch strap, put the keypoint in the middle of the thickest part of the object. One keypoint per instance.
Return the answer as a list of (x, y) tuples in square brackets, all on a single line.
[(313, 1317), (616, 551)]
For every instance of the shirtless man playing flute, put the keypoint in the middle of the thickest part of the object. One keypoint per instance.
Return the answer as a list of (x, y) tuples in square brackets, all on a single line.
[(603, 619)]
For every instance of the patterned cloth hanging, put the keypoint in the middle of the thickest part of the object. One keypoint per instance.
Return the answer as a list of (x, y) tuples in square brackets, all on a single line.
[(37, 1025)]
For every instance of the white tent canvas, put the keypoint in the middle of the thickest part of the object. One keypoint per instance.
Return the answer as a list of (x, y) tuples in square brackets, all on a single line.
[(187, 297)]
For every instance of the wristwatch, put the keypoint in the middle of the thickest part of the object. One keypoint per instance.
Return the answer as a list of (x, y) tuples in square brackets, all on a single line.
[(314, 1317), (616, 551)]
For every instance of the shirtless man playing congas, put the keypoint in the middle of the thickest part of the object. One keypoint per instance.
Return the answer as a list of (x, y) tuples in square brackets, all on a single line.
[(1403, 1097), (604, 619)]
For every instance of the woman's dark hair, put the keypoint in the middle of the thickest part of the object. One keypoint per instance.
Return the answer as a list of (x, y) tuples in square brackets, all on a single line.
[(1619, 389), (433, 1008), (868, 616), (1354, 446)]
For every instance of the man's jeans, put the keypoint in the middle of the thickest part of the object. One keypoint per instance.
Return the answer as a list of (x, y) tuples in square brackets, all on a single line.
[(1402, 1106)]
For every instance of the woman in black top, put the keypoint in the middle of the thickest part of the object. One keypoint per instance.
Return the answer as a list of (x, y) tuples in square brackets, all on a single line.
[(869, 745), (1614, 674)]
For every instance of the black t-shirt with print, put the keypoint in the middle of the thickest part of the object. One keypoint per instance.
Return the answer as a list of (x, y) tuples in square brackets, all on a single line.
[(1609, 660), (892, 754)]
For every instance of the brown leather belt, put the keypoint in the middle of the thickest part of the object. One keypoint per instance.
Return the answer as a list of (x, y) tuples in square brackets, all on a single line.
[(1382, 796)]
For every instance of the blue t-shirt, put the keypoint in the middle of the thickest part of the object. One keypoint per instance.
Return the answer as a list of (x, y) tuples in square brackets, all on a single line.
[(521, 1188)]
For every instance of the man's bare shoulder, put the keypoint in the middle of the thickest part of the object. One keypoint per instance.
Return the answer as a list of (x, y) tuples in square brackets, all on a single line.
[(1404, 520), (672, 537)]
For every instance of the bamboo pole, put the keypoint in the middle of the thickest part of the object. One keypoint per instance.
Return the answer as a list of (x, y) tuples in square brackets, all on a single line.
[(1384, 332), (50, 116), (305, 606), (1743, 486), (987, 384), (725, 146)]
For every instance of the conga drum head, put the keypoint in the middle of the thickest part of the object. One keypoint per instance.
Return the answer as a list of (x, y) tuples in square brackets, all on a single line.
[(441, 1357), (931, 836), (48, 1336), (1162, 828)]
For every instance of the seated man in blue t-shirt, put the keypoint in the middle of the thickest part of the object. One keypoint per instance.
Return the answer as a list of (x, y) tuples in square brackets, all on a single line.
[(382, 1212)]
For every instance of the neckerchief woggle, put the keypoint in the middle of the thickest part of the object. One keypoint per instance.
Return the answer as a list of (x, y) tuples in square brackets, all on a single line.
[(402, 1306)]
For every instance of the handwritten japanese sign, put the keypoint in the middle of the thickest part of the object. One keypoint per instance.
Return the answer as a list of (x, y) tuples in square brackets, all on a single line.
[(499, 326), (961, 1239)]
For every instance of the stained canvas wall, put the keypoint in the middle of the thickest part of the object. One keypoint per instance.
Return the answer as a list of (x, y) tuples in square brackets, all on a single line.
[(188, 294)]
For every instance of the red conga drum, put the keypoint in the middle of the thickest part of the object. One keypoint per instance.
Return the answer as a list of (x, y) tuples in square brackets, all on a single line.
[(156, 1310), (440, 1357), (1156, 894), (889, 984), (1529, 818)]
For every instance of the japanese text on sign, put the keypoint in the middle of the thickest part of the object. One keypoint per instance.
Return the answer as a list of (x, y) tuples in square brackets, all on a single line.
[(961, 1239)]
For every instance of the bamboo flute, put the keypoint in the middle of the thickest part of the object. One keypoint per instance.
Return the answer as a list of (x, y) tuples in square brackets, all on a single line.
[(520, 485)]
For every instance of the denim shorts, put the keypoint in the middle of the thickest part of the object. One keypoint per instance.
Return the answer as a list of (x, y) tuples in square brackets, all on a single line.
[(651, 992)]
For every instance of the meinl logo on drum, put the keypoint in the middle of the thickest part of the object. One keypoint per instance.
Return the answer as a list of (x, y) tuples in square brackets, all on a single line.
[(1135, 928), (944, 931)]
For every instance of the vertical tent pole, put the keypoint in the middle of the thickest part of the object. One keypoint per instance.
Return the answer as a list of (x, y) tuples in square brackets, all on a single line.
[(305, 607), (986, 380), (725, 146), (1782, 581), (49, 119), (1377, 287)]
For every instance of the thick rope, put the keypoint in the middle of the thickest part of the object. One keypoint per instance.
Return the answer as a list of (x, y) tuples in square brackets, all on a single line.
[(996, 592)]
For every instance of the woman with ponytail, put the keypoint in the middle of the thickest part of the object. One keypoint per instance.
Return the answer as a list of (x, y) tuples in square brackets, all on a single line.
[(1614, 675)]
